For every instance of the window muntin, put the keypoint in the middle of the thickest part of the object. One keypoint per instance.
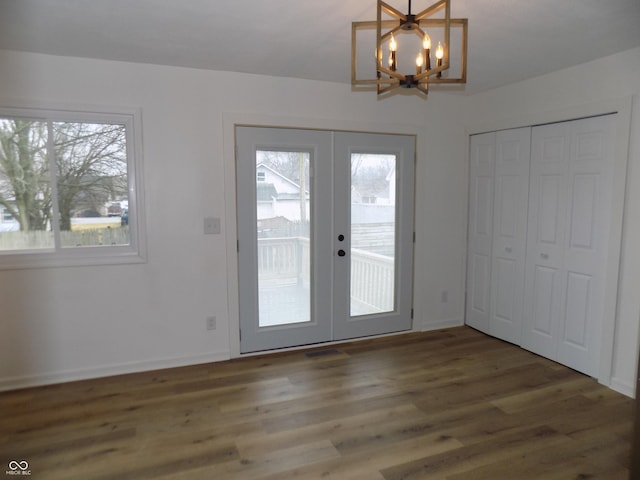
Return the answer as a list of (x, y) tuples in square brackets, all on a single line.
[(68, 183)]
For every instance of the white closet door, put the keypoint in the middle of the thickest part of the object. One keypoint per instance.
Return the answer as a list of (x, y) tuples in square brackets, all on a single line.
[(482, 161), (544, 295), (569, 215), (513, 151), (588, 227)]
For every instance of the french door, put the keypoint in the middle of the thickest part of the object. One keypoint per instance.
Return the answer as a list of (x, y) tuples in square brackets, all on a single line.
[(325, 235)]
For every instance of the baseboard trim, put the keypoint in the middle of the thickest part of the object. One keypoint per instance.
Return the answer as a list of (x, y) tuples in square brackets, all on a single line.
[(623, 387), (36, 380), (440, 324)]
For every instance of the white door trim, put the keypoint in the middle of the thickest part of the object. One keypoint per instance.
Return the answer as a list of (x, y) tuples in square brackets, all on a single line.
[(232, 119)]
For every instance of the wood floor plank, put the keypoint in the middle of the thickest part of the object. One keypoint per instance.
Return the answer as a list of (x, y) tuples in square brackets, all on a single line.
[(334, 429), (371, 462), (468, 458), (451, 404)]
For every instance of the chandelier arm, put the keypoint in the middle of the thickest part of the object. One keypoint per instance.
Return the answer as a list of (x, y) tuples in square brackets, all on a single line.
[(391, 11), (439, 22), (373, 24), (387, 89), (391, 73), (386, 35), (423, 88), (353, 53), (431, 10), (465, 39), (447, 80), (447, 33)]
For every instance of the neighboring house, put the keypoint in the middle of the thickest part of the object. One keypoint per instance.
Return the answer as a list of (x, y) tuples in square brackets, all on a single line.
[(278, 196), (369, 206), (7, 222)]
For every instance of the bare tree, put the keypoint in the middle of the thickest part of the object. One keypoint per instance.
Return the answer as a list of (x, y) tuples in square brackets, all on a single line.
[(91, 166), (24, 188), (369, 173)]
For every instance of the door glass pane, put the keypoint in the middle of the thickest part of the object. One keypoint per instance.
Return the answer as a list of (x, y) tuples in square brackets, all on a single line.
[(283, 193), (373, 232)]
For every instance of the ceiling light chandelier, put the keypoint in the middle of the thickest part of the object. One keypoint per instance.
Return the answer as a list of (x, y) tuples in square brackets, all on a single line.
[(419, 33)]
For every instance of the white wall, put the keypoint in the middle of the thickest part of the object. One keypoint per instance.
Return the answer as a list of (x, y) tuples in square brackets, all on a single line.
[(67, 323), (587, 88), (59, 324)]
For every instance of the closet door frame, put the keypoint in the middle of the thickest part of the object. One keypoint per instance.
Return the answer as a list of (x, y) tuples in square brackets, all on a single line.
[(623, 107)]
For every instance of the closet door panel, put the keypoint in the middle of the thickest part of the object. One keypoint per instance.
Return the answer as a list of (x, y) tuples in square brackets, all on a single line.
[(544, 291), (590, 182), (480, 235), (576, 315), (548, 212), (479, 291), (569, 223), (541, 326), (505, 271), (509, 233)]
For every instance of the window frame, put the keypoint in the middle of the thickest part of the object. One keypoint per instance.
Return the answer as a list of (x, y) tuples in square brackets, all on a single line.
[(135, 251)]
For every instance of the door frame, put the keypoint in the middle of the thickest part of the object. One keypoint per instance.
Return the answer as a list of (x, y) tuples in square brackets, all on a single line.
[(621, 106), (230, 121)]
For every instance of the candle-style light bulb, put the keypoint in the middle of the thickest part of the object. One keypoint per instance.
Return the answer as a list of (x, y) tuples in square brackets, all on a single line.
[(439, 55), (393, 46), (426, 42), (426, 45), (419, 62)]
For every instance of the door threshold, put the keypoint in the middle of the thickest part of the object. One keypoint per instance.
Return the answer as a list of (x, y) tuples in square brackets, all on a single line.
[(327, 344)]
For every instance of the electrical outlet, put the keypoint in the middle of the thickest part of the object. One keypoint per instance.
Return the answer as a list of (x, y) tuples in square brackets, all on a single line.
[(444, 297), (211, 323)]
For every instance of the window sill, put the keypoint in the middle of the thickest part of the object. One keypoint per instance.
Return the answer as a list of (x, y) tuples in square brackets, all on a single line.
[(21, 261)]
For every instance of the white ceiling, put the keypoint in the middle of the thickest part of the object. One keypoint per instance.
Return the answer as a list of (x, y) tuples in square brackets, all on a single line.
[(509, 40)]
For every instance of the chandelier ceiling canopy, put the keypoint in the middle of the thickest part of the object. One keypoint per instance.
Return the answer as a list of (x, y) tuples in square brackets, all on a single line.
[(396, 45)]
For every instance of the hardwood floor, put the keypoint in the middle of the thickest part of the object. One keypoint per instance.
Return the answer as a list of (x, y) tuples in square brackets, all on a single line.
[(452, 404)]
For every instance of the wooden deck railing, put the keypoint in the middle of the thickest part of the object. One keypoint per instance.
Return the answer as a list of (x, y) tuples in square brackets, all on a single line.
[(285, 261)]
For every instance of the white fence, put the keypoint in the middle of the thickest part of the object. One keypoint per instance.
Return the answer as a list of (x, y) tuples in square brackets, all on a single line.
[(372, 282), (40, 239)]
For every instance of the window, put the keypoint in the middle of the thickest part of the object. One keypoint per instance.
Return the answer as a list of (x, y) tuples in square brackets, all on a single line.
[(6, 215), (68, 188)]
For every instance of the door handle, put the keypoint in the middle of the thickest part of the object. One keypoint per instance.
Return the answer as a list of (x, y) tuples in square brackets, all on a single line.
[(508, 249), (341, 253), (545, 256)]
